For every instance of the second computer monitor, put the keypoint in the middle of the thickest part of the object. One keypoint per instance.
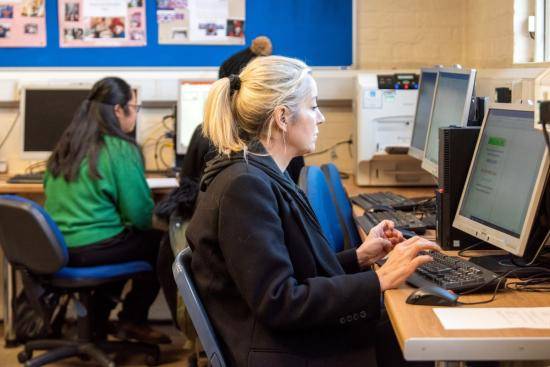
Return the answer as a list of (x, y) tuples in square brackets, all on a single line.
[(192, 96), (506, 179), (451, 105), (424, 103)]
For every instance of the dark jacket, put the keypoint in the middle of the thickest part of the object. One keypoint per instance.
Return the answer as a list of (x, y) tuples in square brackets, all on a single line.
[(275, 292)]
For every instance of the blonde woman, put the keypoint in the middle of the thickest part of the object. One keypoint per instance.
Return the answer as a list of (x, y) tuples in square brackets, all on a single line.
[(276, 293)]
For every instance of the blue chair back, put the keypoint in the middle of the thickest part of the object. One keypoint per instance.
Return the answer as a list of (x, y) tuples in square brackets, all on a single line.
[(29, 236), (313, 183), (186, 287), (341, 200)]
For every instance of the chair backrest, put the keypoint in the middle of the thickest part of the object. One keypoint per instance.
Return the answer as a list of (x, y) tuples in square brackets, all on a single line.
[(341, 200), (314, 184), (197, 313), (29, 236)]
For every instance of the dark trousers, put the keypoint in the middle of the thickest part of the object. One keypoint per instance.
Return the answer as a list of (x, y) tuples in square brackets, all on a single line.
[(130, 245)]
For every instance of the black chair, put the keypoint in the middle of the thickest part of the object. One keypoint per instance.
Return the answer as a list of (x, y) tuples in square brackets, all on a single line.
[(186, 287), (35, 247)]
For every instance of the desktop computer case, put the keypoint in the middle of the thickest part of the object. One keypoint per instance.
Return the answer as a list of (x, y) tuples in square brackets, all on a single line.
[(456, 148)]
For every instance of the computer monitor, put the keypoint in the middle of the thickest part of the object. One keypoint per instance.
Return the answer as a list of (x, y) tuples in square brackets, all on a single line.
[(424, 103), (191, 99), (506, 179), (453, 93), (46, 111)]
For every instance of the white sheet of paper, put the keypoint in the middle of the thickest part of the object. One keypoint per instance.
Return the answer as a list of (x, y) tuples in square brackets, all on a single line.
[(162, 182), (105, 8), (494, 318)]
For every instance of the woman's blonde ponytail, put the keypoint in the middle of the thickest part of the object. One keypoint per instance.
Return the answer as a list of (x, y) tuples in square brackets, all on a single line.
[(220, 125)]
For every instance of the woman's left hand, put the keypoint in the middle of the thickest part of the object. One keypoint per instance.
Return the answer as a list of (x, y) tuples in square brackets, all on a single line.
[(379, 242), (386, 229)]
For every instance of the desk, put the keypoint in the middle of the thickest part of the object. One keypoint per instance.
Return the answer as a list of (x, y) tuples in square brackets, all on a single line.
[(422, 337), (35, 192)]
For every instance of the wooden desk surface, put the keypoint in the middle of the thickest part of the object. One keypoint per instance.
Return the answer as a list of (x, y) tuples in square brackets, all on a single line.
[(37, 188), (422, 337)]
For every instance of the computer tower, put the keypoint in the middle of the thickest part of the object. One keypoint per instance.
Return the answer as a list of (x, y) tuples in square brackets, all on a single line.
[(456, 148)]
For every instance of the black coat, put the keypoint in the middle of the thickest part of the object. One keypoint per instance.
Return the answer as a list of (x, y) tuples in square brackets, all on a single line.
[(275, 292)]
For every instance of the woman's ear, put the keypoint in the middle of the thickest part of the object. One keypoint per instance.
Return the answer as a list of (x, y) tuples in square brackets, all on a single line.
[(281, 115), (119, 111)]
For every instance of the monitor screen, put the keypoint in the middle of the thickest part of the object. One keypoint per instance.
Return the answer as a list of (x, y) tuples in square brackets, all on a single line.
[(451, 106), (191, 99), (423, 110), (47, 113), (504, 175)]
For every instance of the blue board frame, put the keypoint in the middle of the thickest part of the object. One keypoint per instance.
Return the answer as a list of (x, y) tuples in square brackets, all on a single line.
[(320, 32)]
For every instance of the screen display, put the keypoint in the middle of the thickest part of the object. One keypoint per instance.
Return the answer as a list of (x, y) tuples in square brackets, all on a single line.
[(504, 171), (448, 109), (423, 109), (48, 112)]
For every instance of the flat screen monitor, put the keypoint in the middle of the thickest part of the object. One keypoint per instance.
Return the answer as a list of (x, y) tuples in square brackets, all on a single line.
[(424, 103), (46, 112), (451, 106), (506, 179), (191, 99)]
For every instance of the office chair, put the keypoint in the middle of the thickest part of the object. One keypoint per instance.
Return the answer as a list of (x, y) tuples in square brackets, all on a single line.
[(341, 200), (35, 247), (186, 286), (314, 184)]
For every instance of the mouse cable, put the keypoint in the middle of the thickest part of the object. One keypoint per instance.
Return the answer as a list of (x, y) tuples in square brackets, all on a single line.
[(497, 287), (461, 252)]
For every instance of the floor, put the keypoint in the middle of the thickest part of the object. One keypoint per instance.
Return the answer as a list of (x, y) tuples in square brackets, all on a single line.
[(172, 355)]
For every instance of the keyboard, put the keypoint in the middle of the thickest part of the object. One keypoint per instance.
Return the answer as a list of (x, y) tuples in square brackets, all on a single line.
[(453, 273), (388, 199), (402, 220), (37, 177), (429, 220)]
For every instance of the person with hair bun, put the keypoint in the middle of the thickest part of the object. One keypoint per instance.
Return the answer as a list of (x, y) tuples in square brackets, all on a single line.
[(97, 194), (275, 292)]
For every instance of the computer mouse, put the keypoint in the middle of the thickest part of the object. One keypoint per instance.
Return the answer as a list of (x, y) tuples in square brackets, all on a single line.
[(432, 296)]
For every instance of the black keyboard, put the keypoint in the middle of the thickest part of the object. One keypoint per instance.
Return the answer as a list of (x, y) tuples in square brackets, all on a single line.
[(453, 273), (429, 220), (27, 178), (388, 199), (402, 220)]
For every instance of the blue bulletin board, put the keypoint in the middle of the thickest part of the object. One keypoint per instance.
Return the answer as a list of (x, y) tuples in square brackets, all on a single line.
[(320, 32)]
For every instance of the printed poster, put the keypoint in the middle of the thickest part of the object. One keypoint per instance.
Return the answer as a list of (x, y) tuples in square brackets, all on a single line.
[(201, 21), (102, 23), (22, 23)]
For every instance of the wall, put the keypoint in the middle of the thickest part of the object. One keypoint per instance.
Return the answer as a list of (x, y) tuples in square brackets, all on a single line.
[(489, 29), (410, 33)]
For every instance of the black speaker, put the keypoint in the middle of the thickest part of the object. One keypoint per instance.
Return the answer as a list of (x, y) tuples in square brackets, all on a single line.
[(456, 148)]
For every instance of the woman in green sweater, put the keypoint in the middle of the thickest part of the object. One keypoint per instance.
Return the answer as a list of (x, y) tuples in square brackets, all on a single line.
[(97, 194)]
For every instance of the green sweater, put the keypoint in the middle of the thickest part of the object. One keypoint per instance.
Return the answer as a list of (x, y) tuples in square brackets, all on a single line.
[(87, 210)]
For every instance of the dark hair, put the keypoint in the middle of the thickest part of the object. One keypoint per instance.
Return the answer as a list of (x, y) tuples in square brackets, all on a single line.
[(95, 118)]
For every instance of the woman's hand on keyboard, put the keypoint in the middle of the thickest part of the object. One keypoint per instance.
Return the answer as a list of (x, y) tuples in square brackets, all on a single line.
[(386, 229), (403, 261), (380, 241)]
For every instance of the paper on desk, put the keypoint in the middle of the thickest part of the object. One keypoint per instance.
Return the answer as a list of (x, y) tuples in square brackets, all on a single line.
[(162, 182), (494, 318)]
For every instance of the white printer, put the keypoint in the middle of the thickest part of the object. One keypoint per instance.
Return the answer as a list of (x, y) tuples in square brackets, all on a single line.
[(385, 103)]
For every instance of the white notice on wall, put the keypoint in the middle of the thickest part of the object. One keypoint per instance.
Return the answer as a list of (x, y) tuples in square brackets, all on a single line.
[(494, 318), (208, 19), (104, 8)]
